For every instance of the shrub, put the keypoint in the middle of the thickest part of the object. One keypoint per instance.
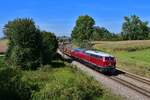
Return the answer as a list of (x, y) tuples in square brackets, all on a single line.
[(50, 45), (11, 86), (74, 88), (2, 63)]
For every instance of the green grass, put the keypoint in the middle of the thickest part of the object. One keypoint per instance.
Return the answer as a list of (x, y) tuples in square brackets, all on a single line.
[(137, 62), (65, 83), (132, 56), (2, 64), (58, 81)]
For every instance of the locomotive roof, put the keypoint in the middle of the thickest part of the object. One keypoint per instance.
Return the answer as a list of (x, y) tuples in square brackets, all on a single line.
[(79, 49), (98, 53)]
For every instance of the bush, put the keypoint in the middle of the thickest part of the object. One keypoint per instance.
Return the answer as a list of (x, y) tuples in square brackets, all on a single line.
[(2, 63), (11, 85), (79, 87), (50, 45)]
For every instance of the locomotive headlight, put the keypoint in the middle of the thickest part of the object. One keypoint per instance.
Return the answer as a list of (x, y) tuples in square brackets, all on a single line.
[(103, 59)]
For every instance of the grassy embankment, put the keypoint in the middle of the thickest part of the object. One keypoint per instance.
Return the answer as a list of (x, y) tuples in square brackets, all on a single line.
[(132, 56), (58, 81)]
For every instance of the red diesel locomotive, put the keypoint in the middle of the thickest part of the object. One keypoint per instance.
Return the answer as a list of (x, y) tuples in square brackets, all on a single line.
[(101, 61)]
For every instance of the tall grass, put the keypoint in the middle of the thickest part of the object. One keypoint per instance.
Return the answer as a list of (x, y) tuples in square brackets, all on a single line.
[(65, 84)]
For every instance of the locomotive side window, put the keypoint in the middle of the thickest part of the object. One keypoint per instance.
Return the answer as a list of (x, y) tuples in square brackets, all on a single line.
[(96, 56), (109, 58)]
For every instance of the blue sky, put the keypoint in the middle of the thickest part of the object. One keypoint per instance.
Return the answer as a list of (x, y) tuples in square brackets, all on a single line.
[(59, 16)]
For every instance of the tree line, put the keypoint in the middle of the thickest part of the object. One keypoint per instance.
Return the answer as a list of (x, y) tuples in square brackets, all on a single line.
[(133, 28), (29, 47)]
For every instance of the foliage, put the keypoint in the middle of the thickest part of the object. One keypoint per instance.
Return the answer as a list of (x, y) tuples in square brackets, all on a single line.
[(64, 38), (86, 31), (85, 44), (11, 85), (24, 43), (50, 45), (132, 29), (57, 81), (2, 63), (101, 33), (135, 29), (68, 84), (83, 28)]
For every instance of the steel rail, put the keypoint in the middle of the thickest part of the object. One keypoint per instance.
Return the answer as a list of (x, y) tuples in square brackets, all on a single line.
[(135, 77), (131, 86)]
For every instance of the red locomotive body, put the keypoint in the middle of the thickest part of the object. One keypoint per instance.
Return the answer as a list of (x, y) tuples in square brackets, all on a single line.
[(102, 61)]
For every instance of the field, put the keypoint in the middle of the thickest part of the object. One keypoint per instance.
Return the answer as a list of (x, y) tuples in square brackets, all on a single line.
[(3, 46), (132, 56)]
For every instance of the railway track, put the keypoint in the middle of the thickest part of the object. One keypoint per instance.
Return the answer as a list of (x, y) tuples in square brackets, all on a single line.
[(132, 86), (138, 78)]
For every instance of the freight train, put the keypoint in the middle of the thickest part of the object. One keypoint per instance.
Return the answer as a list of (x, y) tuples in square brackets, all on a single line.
[(101, 61)]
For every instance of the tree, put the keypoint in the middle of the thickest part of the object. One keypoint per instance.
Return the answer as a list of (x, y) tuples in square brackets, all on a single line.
[(135, 29), (25, 43), (50, 45), (101, 33), (83, 28)]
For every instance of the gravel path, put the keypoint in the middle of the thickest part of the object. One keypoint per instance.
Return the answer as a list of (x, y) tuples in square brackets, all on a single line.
[(115, 87)]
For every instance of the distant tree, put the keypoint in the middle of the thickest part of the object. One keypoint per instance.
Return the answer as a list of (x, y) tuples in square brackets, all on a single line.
[(98, 33), (25, 42), (116, 37), (101, 33), (64, 39), (135, 29), (149, 36), (3, 38), (50, 45), (83, 29)]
